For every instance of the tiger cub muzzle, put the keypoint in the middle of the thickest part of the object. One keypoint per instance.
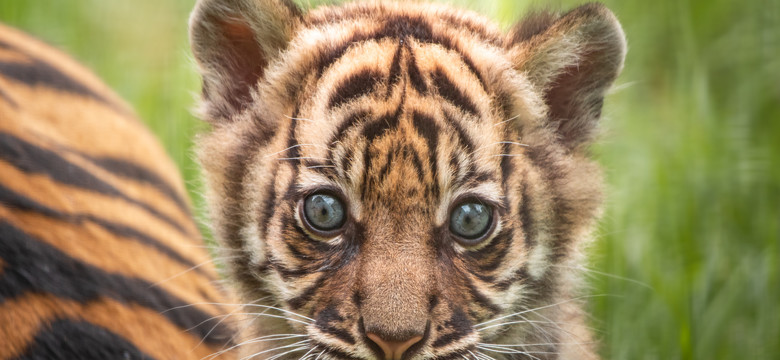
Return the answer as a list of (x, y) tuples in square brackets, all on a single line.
[(391, 301)]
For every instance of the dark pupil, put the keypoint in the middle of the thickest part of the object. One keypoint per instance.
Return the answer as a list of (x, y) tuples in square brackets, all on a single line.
[(324, 212), (470, 220)]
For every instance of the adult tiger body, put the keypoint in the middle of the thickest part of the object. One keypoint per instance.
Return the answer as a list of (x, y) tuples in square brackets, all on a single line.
[(405, 180), (99, 255)]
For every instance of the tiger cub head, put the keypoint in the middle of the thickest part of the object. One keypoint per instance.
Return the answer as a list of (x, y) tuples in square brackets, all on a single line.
[(403, 181)]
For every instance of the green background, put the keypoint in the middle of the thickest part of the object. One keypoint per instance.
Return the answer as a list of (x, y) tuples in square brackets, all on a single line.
[(686, 265)]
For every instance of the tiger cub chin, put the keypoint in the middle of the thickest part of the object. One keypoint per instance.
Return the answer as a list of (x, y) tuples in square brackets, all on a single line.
[(404, 181)]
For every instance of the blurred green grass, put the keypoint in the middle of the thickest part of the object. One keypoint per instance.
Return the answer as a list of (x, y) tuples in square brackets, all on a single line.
[(686, 265)]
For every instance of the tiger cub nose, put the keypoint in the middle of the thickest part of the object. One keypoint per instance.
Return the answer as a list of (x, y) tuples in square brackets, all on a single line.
[(393, 349)]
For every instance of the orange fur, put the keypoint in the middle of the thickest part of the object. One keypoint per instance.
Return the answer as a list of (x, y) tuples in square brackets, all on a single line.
[(100, 255)]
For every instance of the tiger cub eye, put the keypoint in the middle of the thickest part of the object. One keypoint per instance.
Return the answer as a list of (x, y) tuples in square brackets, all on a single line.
[(324, 212), (471, 221)]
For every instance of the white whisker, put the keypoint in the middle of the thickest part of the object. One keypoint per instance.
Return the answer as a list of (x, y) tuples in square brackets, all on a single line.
[(302, 348), (513, 322), (280, 309), (513, 143), (299, 119), (303, 158), (513, 351), (527, 353), (289, 148), (526, 345), (274, 337), (507, 155), (320, 354), (587, 270), (297, 344), (190, 269), (307, 353), (507, 120), (276, 317), (533, 310), (246, 305)]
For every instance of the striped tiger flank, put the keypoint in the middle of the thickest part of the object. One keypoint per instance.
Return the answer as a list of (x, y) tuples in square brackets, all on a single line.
[(99, 255), (402, 112)]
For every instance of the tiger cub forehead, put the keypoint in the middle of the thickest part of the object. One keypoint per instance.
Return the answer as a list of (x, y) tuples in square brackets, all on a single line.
[(371, 95)]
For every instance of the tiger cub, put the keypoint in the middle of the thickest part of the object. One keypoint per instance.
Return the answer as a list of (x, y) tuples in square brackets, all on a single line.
[(404, 181), (99, 255)]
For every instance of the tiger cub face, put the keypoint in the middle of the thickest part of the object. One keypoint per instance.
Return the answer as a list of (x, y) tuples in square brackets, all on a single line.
[(403, 181)]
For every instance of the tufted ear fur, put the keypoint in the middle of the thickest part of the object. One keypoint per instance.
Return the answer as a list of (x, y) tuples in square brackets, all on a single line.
[(233, 42), (572, 59)]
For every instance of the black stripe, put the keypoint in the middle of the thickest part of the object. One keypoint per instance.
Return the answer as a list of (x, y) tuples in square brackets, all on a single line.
[(297, 233), (364, 185), (415, 75), (520, 274), (526, 218), (30, 158), (33, 266), (296, 253), (18, 201), (351, 120), (402, 152), (378, 127), (371, 131), (356, 85), (398, 27), (293, 152), (327, 320), (428, 129), (480, 298), (481, 177), (241, 266), (452, 93), (419, 28), (130, 170), (410, 153), (269, 203), (454, 20), (78, 339), (489, 257), (386, 167), (563, 208), (301, 300), (489, 279), (455, 162), (395, 70), (507, 166), (395, 27), (458, 325), (463, 137), (235, 172), (285, 272), (35, 72)]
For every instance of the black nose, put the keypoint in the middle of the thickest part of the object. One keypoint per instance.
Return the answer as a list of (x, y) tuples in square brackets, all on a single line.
[(393, 350)]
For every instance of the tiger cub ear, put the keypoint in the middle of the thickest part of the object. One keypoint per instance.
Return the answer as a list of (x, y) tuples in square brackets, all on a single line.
[(233, 42), (572, 59)]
